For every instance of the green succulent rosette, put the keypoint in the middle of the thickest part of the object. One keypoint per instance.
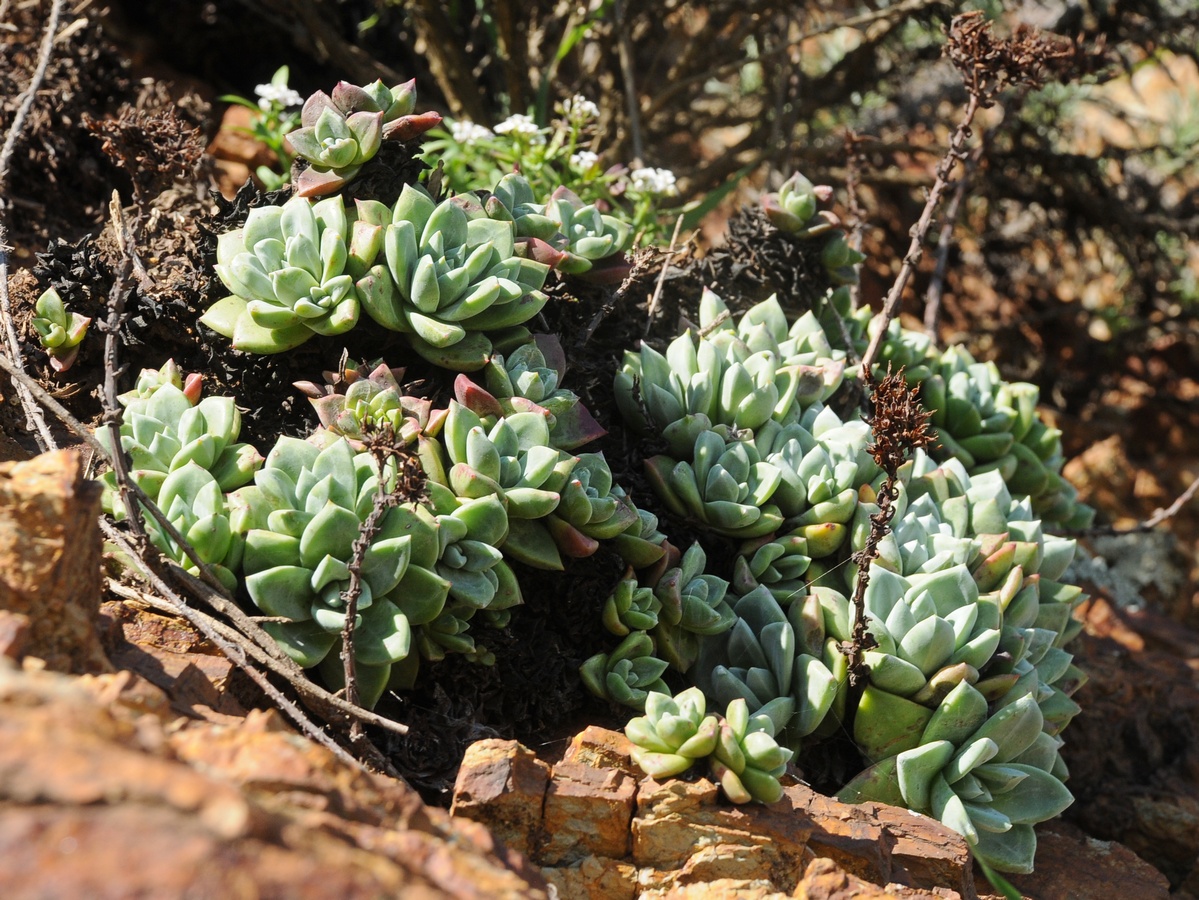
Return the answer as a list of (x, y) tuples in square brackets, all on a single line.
[(453, 282), (693, 605), (342, 131), (780, 663), (286, 271), (737, 376), (300, 519), (989, 776), (748, 762), (627, 675), (163, 428), (674, 733)]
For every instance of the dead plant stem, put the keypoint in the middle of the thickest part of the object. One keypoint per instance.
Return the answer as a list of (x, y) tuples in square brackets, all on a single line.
[(891, 304)]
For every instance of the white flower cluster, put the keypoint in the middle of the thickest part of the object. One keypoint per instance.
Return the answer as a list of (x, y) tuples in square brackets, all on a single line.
[(578, 109), (521, 124), (281, 94), (654, 181), (464, 131), (584, 160)]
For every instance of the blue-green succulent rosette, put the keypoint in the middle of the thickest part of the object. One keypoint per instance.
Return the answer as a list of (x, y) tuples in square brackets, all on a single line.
[(286, 273)]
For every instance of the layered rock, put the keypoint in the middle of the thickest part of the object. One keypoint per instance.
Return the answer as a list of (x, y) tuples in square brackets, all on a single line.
[(599, 829)]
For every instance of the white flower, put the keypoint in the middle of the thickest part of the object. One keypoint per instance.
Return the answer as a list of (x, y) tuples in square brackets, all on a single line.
[(465, 131), (654, 181), (281, 94), (522, 125), (579, 109), (584, 160)]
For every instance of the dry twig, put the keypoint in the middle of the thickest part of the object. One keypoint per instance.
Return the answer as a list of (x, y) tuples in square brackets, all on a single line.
[(899, 426)]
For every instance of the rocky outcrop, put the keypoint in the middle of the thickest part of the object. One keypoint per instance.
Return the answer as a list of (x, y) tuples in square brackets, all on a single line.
[(106, 792), (601, 830), (50, 559)]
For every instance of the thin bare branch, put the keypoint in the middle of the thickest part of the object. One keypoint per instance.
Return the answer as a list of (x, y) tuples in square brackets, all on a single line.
[(628, 76), (27, 99), (911, 259), (936, 286), (232, 650), (33, 416), (1160, 515), (653, 301)]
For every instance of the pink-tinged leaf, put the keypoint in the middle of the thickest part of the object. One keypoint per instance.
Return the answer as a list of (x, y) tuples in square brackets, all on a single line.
[(405, 128), (540, 251), (779, 217), (315, 183), (565, 193), (62, 361), (551, 348), (571, 542), (522, 404), (575, 427), (387, 376), (314, 106), (436, 421), (192, 385), (610, 270), (328, 408), (309, 389), (350, 98), (475, 398)]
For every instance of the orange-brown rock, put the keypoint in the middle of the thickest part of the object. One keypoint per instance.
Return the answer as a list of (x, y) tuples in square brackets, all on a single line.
[(502, 785), (104, 801), (1072, 866), (682, 837), (587, 813), (825, 880), (50, 558)]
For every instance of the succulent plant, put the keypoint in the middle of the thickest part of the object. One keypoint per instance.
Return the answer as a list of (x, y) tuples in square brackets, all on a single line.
[(643, 546), (988, 776), (992, 424), (630, 607), (737, 377), (796, 208), (564, 232), (59, 330), (747, 761), (286, 269), (164, 428), (194, 503), (533, 372), (780, 663), (693, 605), (301, 518), (342, 131), (673, 734), (628, 674), (452, 282)]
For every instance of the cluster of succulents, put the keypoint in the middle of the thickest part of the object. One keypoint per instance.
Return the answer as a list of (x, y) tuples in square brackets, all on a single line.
[(673, 606), (573, 236), (184, 454), (967, 679), (743, 756), (961, 598), (59, 331), (458, 277), (341, 131)]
